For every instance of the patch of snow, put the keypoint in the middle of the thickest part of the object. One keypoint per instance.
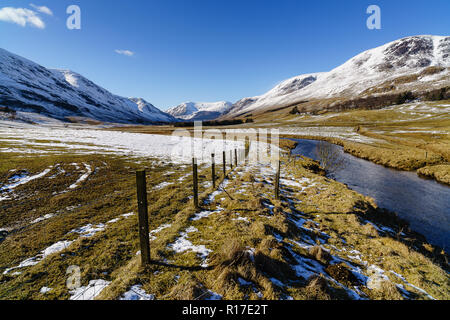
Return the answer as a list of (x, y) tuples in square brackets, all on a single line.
[(19, 180), (126, 215), (244, 283), (158, 230), (45, 290), (162, 185), (54, 248), (45, 217), (251, 253), (376, 278), (88, 231), (277, 282), (213, 296), (113, 220), (89, 292), (83, 177), (182, 244), (212, 196), (201, 215), (137, 293), (411, 285)]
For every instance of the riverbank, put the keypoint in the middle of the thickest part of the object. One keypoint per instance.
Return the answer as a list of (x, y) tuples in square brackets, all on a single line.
[(440, 173), (425, 163), (408, 137), (421, 202)]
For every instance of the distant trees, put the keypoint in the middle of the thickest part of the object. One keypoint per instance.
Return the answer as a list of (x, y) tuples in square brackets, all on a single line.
[(404, 97), (294, 110), (11, 112), (437, 95), (213, 123), (7, 110)]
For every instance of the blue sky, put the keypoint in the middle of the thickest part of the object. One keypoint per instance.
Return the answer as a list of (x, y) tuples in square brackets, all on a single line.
[(210, 50)]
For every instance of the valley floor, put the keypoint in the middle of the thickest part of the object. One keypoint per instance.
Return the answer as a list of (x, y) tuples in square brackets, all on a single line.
[(68, 199), (413, 136)]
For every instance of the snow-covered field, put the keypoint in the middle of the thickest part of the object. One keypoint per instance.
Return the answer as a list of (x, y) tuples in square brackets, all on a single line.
[(337, 132), (37, 139), (346, 133)]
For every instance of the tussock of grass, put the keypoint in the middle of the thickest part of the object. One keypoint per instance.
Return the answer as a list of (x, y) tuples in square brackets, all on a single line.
[(440, 173), (386, 291), (319, 254)]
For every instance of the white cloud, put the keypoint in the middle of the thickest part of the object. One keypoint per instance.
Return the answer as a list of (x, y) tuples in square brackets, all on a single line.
[(21, 16), (42, 9), (125, 52)]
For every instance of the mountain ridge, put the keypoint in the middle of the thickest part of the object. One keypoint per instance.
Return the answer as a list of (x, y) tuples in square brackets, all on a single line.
[(197, 111), (61, 94), (361, 75), (418, 63)]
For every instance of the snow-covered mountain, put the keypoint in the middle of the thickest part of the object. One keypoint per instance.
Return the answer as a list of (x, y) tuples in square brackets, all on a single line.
[(416, 62), (197, 111), (27, 86)]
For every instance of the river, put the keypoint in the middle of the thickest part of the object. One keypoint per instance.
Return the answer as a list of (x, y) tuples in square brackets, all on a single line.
[(424, 203)]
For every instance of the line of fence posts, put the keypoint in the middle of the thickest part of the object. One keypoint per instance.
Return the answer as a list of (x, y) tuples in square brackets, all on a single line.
[(141, 185), (213, 170), (144, 239)]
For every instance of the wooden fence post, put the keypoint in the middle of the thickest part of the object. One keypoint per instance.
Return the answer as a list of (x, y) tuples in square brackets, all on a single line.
[(213, 170), (144, 240), (277, 181), (246, 153), (224, 165), (195, 181), (231, 160)]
